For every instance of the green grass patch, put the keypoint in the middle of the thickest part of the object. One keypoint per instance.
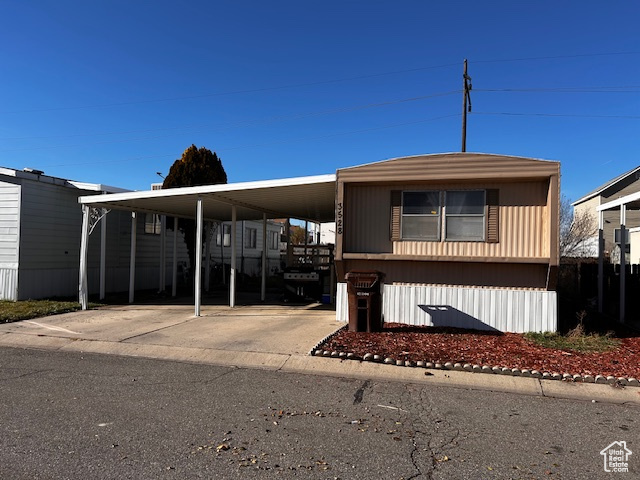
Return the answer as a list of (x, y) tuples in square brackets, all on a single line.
[(26, 309), (577, 342)]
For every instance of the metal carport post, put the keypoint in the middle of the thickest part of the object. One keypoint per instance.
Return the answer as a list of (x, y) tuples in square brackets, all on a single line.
[(631, 200), (198, 276)]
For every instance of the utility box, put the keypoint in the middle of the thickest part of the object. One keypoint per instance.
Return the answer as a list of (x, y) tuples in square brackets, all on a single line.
[(364, 290)]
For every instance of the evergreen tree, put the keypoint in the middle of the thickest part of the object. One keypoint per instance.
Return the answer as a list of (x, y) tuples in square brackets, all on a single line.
[(197, 166)]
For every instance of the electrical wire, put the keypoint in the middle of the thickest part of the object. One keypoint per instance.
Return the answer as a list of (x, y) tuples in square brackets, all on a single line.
[(572, 115), (246, 123), (320, 82), (277, 142)]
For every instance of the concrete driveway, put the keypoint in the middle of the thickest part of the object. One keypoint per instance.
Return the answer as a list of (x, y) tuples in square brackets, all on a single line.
[(255, 335)]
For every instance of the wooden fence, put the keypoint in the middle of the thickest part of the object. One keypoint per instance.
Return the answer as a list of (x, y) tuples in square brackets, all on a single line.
[(578, 290)]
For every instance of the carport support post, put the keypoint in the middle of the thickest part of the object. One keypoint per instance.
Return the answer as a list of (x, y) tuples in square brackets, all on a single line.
[(207, 257), (198, 276), (232, 277), (263, 286), (103, 253), (163, 246), (174, 273), (600, 261), (132, 258), (84, 244), (623, 260)]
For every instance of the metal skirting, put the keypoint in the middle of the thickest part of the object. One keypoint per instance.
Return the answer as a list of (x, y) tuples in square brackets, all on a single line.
[(506, 310), (9, 284)]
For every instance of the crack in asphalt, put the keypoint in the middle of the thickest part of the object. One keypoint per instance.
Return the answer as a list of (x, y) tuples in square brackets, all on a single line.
[(436, 433)]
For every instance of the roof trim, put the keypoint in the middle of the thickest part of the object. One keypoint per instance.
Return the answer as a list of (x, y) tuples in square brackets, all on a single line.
[(607, 185), (204, 189), (444, 154), (618, 202), (61, 182)]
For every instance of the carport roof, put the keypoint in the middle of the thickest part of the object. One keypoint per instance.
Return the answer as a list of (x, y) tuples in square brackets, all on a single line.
[(305, 198)]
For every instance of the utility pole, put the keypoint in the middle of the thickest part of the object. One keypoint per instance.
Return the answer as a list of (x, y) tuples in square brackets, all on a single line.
[(466, 97)]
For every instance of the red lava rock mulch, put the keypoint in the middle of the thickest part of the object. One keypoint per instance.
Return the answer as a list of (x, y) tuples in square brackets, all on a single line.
[(512, 350)]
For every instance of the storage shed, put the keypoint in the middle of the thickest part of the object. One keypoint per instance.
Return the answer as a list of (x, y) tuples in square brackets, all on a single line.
[(464, 239)]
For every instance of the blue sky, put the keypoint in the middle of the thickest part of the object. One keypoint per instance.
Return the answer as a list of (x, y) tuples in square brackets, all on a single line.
[(114, 91)]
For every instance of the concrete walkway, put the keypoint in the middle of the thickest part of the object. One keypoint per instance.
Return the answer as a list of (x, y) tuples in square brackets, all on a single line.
[(270, 337)]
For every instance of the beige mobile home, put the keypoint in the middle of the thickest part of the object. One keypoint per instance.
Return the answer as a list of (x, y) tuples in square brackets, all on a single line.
[(464, 239)]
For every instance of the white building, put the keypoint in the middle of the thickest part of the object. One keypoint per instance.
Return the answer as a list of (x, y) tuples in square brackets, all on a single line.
[(40, 227)]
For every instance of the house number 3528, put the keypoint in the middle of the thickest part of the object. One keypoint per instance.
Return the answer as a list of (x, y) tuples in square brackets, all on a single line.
[(339, 219)]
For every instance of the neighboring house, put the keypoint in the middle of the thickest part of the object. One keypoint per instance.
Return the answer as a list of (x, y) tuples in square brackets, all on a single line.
[(625, 184), (40, 226), (248, 246), (464, 239)]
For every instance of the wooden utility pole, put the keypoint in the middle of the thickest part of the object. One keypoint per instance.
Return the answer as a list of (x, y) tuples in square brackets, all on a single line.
[(466, 97)]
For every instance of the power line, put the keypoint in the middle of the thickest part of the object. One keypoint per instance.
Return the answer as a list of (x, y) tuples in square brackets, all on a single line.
[(320, 82), (277, 142), (558, 57), (296, 116), (573, 115), (566, 89), (234, 92)]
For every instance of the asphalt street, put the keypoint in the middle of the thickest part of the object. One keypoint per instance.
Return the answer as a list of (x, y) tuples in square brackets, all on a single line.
[(82, 416)]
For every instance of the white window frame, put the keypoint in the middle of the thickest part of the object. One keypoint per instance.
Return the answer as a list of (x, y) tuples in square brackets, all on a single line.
[(447, 215), (438, 217), (152, 224), (274, 240), (224, 231), (250, 237)]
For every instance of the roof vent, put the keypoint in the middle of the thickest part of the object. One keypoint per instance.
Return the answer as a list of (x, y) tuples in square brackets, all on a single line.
[(33, 170)]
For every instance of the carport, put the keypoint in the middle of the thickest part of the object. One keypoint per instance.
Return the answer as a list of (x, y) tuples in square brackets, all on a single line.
[(305, 198)]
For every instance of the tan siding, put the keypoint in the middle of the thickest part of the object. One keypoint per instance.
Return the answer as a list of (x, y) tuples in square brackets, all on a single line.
[(460, 274), (450, 167), (522, 223), (367, 216)]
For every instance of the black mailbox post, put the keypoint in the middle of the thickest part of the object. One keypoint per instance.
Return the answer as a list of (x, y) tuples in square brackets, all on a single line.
[(364, 289)]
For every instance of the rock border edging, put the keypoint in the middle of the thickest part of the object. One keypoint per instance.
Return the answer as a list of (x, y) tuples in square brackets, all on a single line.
[(473, 368)]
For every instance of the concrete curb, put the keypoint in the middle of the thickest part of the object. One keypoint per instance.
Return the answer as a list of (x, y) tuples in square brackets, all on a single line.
[(490, 369), (317, 365)]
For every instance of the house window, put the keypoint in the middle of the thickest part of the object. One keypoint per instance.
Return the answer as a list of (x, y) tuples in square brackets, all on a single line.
[(617, 237), (152, 224), (421, 215), (274, 238), (250, 235), (223, 237), (464, 213)]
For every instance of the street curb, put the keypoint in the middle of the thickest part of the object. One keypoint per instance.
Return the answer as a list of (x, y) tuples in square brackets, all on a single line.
[(368, 369), (475, 368)]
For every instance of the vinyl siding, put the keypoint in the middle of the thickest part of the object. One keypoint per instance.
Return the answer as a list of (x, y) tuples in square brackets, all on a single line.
[(523, 228), (9, 224), (51, 220), (249, 260), (9, 240), (466, 274), (450, 167)]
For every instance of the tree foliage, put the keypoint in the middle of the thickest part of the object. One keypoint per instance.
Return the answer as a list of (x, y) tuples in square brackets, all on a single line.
[(197, 166), (297, 235), (577, 230)]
